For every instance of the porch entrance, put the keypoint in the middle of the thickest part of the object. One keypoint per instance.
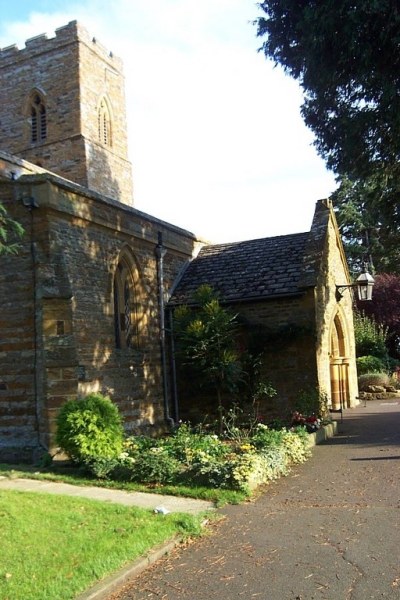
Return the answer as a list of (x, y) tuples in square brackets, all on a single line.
[(339, 367)]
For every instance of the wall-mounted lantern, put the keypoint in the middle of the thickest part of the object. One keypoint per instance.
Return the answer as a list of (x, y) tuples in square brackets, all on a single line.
[(363, 284)]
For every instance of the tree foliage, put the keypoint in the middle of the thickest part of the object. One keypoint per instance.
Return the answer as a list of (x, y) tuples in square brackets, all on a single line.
[(206, 341), (10, 231), (370, 337), (384, 308), (366, 214), (346, 57)]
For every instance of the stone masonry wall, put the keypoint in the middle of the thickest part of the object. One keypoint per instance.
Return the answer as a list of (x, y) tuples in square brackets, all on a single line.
[(18, 411), (283, 331), (334, 272), (78, 240), (73, 72)]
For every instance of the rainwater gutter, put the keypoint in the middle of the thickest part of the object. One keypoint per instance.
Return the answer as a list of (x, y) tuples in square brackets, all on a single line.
[(160, 253)]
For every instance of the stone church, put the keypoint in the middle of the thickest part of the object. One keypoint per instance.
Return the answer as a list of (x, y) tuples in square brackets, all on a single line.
[(85, 303)]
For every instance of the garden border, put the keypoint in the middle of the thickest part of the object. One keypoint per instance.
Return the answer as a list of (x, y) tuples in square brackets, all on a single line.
[(114, 582), (323, 434)]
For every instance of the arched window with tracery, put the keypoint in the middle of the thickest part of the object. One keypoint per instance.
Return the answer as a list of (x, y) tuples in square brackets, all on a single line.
[(104, 123), (126, 306), (38, 117)]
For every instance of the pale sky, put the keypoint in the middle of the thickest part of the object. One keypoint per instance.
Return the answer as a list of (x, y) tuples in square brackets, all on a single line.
[(216, 139)]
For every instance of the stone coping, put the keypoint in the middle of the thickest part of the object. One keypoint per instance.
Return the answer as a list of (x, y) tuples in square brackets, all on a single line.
[(323, 434)]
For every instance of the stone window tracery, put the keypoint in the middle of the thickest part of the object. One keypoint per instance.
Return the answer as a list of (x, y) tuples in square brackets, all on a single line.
[(126, 308), (104, 123), (38, 118)]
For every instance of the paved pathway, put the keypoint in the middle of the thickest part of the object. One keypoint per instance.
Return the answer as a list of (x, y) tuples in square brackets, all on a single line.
[(141, 499), (331, 530)]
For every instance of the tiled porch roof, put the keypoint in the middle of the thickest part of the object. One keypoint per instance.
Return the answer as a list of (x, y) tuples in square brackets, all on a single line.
[(249, 270)]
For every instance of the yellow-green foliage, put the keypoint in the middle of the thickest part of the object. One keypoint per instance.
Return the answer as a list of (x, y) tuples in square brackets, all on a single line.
[(90, 428), (207, 460)]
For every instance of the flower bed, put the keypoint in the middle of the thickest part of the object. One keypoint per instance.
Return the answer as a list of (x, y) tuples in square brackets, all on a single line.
[(203, 459)]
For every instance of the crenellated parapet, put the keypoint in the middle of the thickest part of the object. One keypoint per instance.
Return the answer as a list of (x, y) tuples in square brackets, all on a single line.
[(65, 35)]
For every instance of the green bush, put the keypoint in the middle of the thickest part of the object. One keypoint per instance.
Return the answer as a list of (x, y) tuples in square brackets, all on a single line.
[(312, 401), (370, 337), (370, 364), (367, 379), (185, 444), (264, 437), (210, 471), (90, 429), (201, 459), (155, 465), (102, 467)]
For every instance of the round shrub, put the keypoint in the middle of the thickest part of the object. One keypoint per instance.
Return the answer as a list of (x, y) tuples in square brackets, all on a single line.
[(90, 428), (368, 379), (370, 364)]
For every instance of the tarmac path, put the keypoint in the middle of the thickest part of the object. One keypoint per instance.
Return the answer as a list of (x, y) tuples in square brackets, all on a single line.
[(330, 530)]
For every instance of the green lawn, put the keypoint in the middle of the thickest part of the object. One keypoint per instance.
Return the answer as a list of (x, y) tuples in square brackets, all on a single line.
[(55, 547)]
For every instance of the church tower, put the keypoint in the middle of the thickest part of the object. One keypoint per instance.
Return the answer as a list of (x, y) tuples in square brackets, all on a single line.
[(62, 107)]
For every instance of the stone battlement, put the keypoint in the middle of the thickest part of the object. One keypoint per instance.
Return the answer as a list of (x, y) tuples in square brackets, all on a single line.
[(70, 33)]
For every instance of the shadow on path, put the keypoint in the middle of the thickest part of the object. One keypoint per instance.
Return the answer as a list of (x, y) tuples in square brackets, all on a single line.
[(328, 531)]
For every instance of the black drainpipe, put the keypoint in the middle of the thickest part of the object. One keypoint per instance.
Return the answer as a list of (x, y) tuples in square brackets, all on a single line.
[(173, 366), (160, 253)]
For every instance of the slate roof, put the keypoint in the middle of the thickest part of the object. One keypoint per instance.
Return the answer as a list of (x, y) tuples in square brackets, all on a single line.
[(249, 270)]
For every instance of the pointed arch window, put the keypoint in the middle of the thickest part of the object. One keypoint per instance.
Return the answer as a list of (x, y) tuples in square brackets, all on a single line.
[(104, 123), (126, 308), (38, 116)]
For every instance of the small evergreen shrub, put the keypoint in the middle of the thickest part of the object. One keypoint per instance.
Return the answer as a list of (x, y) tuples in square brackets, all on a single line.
[(370, 364), (90, 429), (101, 467), (368, 379), (155, 465)]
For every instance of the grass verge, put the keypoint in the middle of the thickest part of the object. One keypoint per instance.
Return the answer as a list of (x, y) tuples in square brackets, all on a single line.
[(58, 546), (69, 475)]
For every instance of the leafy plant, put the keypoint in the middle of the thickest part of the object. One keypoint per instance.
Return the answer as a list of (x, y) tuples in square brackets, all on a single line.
[(101, 467), (9, 226), (370, 337), (155, 465), (367, 379), (206, 341), (240, 460), (90, 428), (384, 308), (370, 364), (184, 444), (312, 401)]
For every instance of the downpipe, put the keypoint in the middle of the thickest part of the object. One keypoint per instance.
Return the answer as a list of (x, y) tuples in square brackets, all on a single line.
[(160, 253)]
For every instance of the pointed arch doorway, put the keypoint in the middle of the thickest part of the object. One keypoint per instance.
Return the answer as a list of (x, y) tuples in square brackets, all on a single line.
[(339, 365)]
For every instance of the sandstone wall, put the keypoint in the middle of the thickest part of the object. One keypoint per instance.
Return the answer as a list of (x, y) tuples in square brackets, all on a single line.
[(59, 342), (282, 330), (72, 72), (329, 309)]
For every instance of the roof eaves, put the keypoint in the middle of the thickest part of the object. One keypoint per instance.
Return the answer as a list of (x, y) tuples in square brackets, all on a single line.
[(240, 300)]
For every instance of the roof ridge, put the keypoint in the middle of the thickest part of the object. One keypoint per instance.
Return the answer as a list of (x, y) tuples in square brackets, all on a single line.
[(272, 237)]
